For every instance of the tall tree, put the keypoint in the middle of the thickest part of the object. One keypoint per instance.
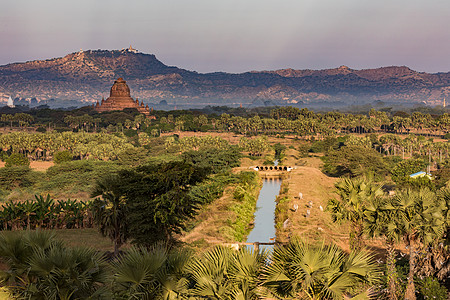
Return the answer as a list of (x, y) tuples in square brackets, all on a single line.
[(420, 219), (355, 195), (110, 210), (301, 270)]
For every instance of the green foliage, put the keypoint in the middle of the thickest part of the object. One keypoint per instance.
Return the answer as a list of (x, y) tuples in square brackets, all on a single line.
[(356, 197), (41, 129), (441, 177), (150, 273), (246, 194), (327, 144), (255, 146), (62, 156), (17, 159), (41, 267), (354, 161), (211, 188), (80, 175), (301, 270), (222, 273), (130, 133), (45, 212), (279, 151), (133, 156), (13, 177), (157, 198), (110, 210), (430, 288), (404, 168), (173, 143), (217, 160)]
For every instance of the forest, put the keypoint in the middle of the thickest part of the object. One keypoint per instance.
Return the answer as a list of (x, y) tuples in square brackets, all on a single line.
[(170, 193)]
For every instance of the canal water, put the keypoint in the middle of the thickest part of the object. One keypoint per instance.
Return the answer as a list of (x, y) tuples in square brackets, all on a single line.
[(264, 224)]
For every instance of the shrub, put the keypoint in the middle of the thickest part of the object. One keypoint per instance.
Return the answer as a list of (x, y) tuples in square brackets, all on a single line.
[(354, 161), (430, 288), (62, 156), (406, 167), (16, 159), (41, 129), (130, 132), (14, 176)]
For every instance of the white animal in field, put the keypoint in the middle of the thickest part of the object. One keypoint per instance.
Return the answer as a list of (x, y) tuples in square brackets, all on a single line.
[(321, 208), (300, 195), (295, 207), (308, 212), (235, 247)]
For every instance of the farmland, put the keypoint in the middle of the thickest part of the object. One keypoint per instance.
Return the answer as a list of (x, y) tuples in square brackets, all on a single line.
[(187, 179)]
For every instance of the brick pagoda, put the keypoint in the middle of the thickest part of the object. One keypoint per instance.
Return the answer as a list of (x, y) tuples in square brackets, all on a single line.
[(119, 98)]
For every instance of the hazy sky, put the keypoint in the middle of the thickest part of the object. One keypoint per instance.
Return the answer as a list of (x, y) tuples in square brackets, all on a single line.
[(235, 35)]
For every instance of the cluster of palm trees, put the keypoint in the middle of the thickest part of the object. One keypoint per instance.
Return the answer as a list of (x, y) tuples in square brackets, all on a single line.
[(84, 145), (41, 267), (22, 119), (45, 213), (196, 143), (419, 217), (304, 122), (254, 146)]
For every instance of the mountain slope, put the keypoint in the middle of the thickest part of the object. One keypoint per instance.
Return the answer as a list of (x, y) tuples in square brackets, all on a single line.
[(88, 75)]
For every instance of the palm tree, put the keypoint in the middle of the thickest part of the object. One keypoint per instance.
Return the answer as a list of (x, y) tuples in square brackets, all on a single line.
[(355, 194), (419, 217), (223, 273), (301, 270), (153, 273), (15, 250), (40, 267), (380, 221), (67, 273), (110, 210)]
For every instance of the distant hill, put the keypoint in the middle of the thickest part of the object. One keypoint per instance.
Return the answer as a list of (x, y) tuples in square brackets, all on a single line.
[(88, 75)]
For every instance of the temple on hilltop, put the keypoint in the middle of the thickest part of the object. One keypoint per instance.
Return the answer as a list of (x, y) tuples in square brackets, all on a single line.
[(119, 99)]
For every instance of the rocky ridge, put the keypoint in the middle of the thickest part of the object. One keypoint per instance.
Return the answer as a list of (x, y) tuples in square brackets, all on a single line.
[(87, 76)]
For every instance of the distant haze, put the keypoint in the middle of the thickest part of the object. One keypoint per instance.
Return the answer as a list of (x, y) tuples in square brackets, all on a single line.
[(236, 35)]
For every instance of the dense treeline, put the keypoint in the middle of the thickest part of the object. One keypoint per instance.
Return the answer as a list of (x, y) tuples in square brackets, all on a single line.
[(268, 121)]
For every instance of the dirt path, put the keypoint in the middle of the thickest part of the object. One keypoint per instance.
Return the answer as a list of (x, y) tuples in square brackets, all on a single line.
[(310, 189), (36, 165)]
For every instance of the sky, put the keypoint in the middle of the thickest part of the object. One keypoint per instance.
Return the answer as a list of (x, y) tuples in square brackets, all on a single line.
[(235, 35)]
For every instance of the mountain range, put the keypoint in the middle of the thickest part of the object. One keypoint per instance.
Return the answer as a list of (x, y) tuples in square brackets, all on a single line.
[(86, 76)]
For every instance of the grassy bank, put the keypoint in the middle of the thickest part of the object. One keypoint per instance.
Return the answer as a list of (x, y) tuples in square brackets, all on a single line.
[(228, 218)]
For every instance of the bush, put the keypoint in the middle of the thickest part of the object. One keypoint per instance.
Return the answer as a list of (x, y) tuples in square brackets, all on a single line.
[(353, 161), (430, 288), (41, 129), (216, 160), (79, 174), (62, 156), (132, 156), (130, 132), (14, 176), (16, 159), (406, 167)]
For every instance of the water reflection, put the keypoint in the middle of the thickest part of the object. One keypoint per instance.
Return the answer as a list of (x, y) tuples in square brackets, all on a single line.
[(264, 224)]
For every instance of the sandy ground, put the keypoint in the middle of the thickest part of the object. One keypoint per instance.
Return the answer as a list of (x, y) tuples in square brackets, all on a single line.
[(36, 165)]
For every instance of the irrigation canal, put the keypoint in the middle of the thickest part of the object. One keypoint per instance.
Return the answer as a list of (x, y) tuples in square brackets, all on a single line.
[(264, 224)]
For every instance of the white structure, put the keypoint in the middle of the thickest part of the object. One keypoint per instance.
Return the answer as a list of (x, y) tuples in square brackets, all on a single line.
[(130, 49), (10, 102)]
